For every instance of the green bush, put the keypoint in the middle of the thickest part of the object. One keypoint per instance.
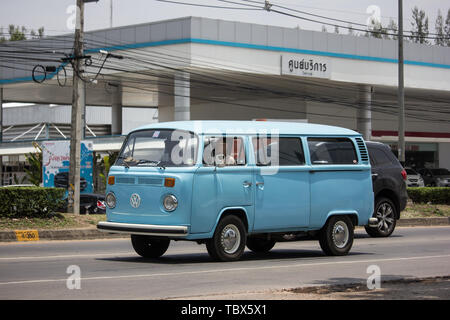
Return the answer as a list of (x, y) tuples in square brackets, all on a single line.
[(434, 195), (30, 201)]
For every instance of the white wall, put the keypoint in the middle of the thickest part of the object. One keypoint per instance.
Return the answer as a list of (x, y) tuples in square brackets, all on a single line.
[(345, 70), (136, 117), (240, 110)]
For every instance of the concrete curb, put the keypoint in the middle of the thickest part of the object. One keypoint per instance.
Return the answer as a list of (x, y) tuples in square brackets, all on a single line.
[(91, 233), (423, 222), (63, 234)]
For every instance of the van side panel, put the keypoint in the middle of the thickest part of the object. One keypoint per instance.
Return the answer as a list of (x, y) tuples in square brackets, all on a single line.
[(282, 201), (340, 189), (215, 189)]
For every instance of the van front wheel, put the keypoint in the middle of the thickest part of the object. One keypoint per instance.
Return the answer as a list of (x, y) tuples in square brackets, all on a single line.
[(336, 237), (228, 242), (149, 247)]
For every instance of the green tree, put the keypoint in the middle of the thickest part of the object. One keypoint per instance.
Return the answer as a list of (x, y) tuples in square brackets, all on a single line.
[(17, 33), (439, 27), (376, 30), (447, 29), (41, 32), (102, 168), (34, 174), (419, 26), (392, 28)]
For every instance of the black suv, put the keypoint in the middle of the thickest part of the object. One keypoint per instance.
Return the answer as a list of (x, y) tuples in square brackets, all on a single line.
[(389, 188), (61, 180)]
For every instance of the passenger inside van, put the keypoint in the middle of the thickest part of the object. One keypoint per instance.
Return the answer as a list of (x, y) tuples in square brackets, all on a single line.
[(224, 152)]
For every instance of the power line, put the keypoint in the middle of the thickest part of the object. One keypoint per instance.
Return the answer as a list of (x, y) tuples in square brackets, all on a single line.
[(205, 5), (325, 17), (269, 7)]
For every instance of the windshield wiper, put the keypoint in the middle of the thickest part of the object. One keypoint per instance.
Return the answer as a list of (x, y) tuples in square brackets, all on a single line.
[(143, 161), (157, 163), (131, 161)]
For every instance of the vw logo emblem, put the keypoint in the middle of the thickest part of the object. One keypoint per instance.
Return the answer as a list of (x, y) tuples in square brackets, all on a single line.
[(135, 200)]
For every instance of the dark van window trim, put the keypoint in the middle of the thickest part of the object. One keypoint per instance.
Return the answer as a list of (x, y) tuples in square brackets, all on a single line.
[(301, 144), (355, 161)]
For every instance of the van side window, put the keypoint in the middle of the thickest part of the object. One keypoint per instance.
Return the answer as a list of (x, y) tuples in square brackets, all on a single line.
[(224, 151), (332, 151), (278, 151)]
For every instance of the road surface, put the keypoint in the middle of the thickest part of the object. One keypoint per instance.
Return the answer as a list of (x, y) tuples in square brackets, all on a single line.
[(110, 269)]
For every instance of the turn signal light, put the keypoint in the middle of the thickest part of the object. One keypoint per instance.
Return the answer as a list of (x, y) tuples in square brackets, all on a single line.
[(169, 182), (111, 180)]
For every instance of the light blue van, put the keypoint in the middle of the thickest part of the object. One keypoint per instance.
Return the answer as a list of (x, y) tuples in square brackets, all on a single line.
[(231, 184)]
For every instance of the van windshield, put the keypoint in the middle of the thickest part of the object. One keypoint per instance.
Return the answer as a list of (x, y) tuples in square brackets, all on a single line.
[(159, 148)]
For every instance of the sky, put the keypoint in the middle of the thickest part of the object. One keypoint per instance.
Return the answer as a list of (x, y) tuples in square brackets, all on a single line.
[(55, 15)]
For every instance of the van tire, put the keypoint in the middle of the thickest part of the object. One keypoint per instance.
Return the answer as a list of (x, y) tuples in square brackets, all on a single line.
[(228, 242), (149, 247), (336, 237), (260, 245), (384, 232)]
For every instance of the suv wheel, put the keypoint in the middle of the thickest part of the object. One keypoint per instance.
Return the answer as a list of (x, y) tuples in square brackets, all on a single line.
[(336, 237), (228, 242), (385, 212), (149, 247)]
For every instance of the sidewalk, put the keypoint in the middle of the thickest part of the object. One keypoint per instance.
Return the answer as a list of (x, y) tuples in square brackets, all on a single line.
[(93, 233), (432, 288)]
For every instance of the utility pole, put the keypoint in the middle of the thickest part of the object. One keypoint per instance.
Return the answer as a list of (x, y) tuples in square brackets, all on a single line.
[(1, 134), (78, 101), (401, 94), (110, 13)]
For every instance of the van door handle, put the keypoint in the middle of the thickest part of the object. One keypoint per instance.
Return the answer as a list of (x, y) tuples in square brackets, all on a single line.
[(247, 184), (374, 176), (260, 183)]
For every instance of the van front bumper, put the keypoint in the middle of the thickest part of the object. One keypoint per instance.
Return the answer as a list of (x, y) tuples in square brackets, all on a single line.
[(144, 229)]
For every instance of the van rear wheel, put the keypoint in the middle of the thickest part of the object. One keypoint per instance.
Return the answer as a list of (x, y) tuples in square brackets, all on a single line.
[(260, 245), (336, 237), (149, 247), (228, 242)]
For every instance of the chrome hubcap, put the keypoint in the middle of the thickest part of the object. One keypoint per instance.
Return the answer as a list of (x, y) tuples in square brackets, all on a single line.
[(385, 216), (230, 239), (340, 234)]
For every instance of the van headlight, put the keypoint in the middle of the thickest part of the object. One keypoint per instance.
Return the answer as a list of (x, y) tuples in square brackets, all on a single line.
[(170, 202), (110, 200)]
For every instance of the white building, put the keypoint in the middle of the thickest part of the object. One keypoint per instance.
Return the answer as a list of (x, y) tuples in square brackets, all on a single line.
[(198, 68)]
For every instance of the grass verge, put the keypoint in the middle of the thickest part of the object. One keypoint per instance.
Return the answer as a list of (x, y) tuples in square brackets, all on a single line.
[(56, 221), (415, 210)]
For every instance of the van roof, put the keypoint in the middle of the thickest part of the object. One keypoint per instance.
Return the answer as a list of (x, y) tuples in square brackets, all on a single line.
[(251, 127)]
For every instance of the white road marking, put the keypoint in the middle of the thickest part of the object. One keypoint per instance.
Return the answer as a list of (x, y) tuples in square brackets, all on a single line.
[(284, 245), (65, 256), (230, 269)]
